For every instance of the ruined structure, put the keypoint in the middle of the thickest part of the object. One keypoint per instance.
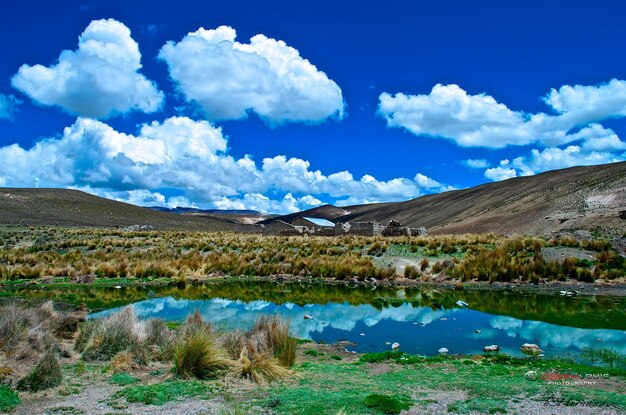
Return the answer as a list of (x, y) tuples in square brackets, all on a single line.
[(372, 228), (315, 225), (283, 228), (323, 227)]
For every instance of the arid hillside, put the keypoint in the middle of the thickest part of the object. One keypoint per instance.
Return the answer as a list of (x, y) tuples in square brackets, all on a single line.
[(45, 207), (576, 198)]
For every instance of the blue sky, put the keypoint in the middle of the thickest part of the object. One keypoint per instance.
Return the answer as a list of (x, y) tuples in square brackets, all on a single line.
[(172, 103)]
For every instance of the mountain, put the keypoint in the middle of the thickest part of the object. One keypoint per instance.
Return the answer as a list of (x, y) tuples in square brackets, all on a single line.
[(587, 197), (44, 207), (188, 210)]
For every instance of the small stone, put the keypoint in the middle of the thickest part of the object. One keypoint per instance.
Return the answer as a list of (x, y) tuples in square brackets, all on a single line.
[(362, 334), (491, 348), (443, 350), (307, 317), (531, 375), (477, 331), (395, 346), (118, 287), (531, 349), (461, 303)]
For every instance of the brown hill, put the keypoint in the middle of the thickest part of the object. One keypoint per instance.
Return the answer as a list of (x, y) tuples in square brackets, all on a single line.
[(575, 198), (61, 207)]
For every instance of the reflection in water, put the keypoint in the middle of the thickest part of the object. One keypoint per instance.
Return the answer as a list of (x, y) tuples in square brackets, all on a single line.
[(419, 329)]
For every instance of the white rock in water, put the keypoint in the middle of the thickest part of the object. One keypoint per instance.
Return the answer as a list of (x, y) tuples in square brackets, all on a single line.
[(443, 350), (492, 348), (395, 346), (477, 331), (307, 317), (461, 303), (362, 334), (118, 286), (531, 349), (387, 343)]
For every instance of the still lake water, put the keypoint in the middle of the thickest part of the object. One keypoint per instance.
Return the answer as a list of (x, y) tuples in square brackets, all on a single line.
[(421, 320)]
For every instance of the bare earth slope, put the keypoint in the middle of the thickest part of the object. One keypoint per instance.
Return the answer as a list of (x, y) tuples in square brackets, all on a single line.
[(62, 207), (574, 198)]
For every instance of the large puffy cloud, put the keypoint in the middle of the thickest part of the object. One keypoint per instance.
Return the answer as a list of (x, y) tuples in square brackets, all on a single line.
[(190, 157), (262, 203), (480, 121), (98, 80), (590, 103), (8, 106), (599, 146), (227, 79), (448, 111)]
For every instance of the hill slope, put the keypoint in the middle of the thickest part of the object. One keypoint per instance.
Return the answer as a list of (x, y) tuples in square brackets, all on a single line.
[(574, 198), (63, 207)]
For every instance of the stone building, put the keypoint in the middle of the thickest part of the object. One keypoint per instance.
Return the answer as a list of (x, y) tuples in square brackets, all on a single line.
[(372, 228), (315, 225), (280, 228)]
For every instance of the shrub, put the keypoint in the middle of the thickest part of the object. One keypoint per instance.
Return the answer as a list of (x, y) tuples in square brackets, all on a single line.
[(387, 404), (9, 399), (199, 355), (45, 375)]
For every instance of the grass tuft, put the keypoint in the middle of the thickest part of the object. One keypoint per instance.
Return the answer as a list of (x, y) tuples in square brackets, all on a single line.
[(199, 356), (45, 375)]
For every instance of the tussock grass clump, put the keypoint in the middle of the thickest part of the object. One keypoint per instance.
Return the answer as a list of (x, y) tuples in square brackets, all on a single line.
[(411, 272), (45, 375), (234, 343), (119, 332), (160, 339), (270, 334), (200, 356), (262, 368)]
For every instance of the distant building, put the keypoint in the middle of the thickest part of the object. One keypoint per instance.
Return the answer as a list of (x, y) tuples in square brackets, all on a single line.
[(322, 227), (371, 228), (313, 224), (281, 228)]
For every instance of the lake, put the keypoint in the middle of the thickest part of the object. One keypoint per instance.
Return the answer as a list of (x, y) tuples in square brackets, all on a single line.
[(422, 320)]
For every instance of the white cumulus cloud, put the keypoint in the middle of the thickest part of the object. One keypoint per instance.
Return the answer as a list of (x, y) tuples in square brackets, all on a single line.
[(190, 157), (98, 80), (480, 121), (227, 79)]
